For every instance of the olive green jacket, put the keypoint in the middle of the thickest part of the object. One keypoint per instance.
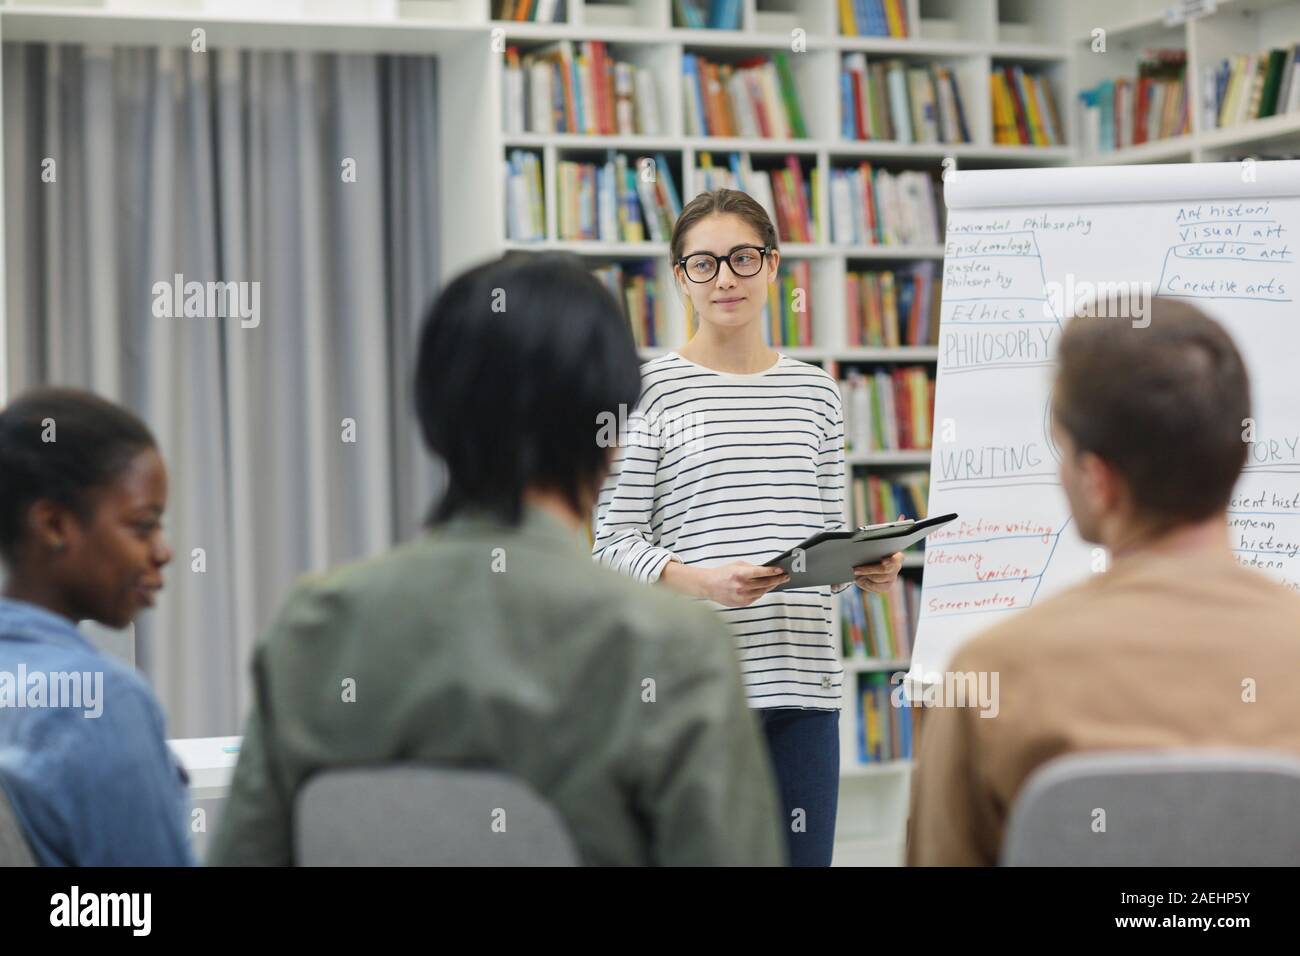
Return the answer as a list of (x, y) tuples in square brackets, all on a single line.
[(484, 645)]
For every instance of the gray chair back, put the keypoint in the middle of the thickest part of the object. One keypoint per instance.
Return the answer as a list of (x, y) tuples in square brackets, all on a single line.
[(409, 815), (1186, 807), (14, 850)]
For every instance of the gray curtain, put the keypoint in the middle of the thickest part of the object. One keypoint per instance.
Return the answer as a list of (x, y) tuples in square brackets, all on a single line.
[(229, 166)]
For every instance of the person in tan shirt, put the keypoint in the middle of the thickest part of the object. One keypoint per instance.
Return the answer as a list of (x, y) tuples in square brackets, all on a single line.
[(1176, 644)]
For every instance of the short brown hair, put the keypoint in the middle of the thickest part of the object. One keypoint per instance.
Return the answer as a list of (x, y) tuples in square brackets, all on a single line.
[(1163, 404), (721, 202)]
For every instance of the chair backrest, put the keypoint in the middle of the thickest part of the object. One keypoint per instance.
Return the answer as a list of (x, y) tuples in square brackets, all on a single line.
[(14, 850), (1186, 807), (408, 815)]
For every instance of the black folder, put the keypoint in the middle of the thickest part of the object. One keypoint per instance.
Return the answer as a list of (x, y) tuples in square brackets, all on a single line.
[(829, 557)]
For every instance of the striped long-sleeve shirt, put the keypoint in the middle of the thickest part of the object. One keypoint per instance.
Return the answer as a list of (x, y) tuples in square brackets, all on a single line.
[(716, 467)]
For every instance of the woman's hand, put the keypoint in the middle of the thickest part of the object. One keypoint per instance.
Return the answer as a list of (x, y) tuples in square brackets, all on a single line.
[(738, 584), (879, 577)]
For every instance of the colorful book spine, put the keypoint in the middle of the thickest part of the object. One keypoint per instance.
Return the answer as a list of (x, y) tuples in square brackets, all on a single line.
[(873, 18), (525, 215), (873, 207), (892, 100), (888, 409), (1246, 87), (884, 731), (560, 88), (787, 319), (755, 97), (1024, 110)]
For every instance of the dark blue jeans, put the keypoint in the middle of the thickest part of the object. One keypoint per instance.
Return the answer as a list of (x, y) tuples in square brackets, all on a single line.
[(805, 748)]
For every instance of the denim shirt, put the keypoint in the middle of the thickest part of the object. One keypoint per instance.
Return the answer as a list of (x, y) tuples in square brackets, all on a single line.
[(84, 760)]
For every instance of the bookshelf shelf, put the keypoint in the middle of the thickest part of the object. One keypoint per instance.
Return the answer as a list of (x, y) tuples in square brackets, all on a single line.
[(976, 152), (545, 32), (1141, 32), (734, 144), (923, 153), (1026, 51), (887, 252), (1235, 27), (1052, 154), (846, 148), (957, 49), (1144, 26), (731, 40), (1173, 149), (592, 247), (1258, 132), (1135, 30), (902, 353), (630, 142), (806, 250), (760, 42), (860, 149)]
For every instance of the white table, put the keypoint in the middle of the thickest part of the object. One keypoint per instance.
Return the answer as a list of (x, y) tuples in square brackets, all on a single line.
[(210, 762)]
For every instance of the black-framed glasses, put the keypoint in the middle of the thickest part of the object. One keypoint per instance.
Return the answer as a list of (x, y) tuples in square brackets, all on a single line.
[(744, 262)]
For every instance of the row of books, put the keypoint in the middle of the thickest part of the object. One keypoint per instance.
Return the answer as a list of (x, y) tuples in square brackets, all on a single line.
[(880, 626), (1251, 86), (787, 317), (527, 11), (905, 102), (876, 499), (617, 201), (637, 289), (873, 18), (555, 89), (631, 200), (1024, 112), (707, 14), (869, 207), (755, 97), (893, 307), (1126, 112), (525, 214), (876, 207), (790, 200), (885, 732), (888, 409)]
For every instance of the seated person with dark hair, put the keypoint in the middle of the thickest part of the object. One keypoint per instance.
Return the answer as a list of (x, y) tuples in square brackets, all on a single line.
[(493, 641), (83, 755), (1151, 653)]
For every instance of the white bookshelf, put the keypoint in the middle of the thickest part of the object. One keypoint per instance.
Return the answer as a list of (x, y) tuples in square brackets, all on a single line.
[(969, 36), (1235, 26)]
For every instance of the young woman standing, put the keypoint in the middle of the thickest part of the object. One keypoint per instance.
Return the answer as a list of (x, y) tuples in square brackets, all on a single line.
[(739, 456)]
